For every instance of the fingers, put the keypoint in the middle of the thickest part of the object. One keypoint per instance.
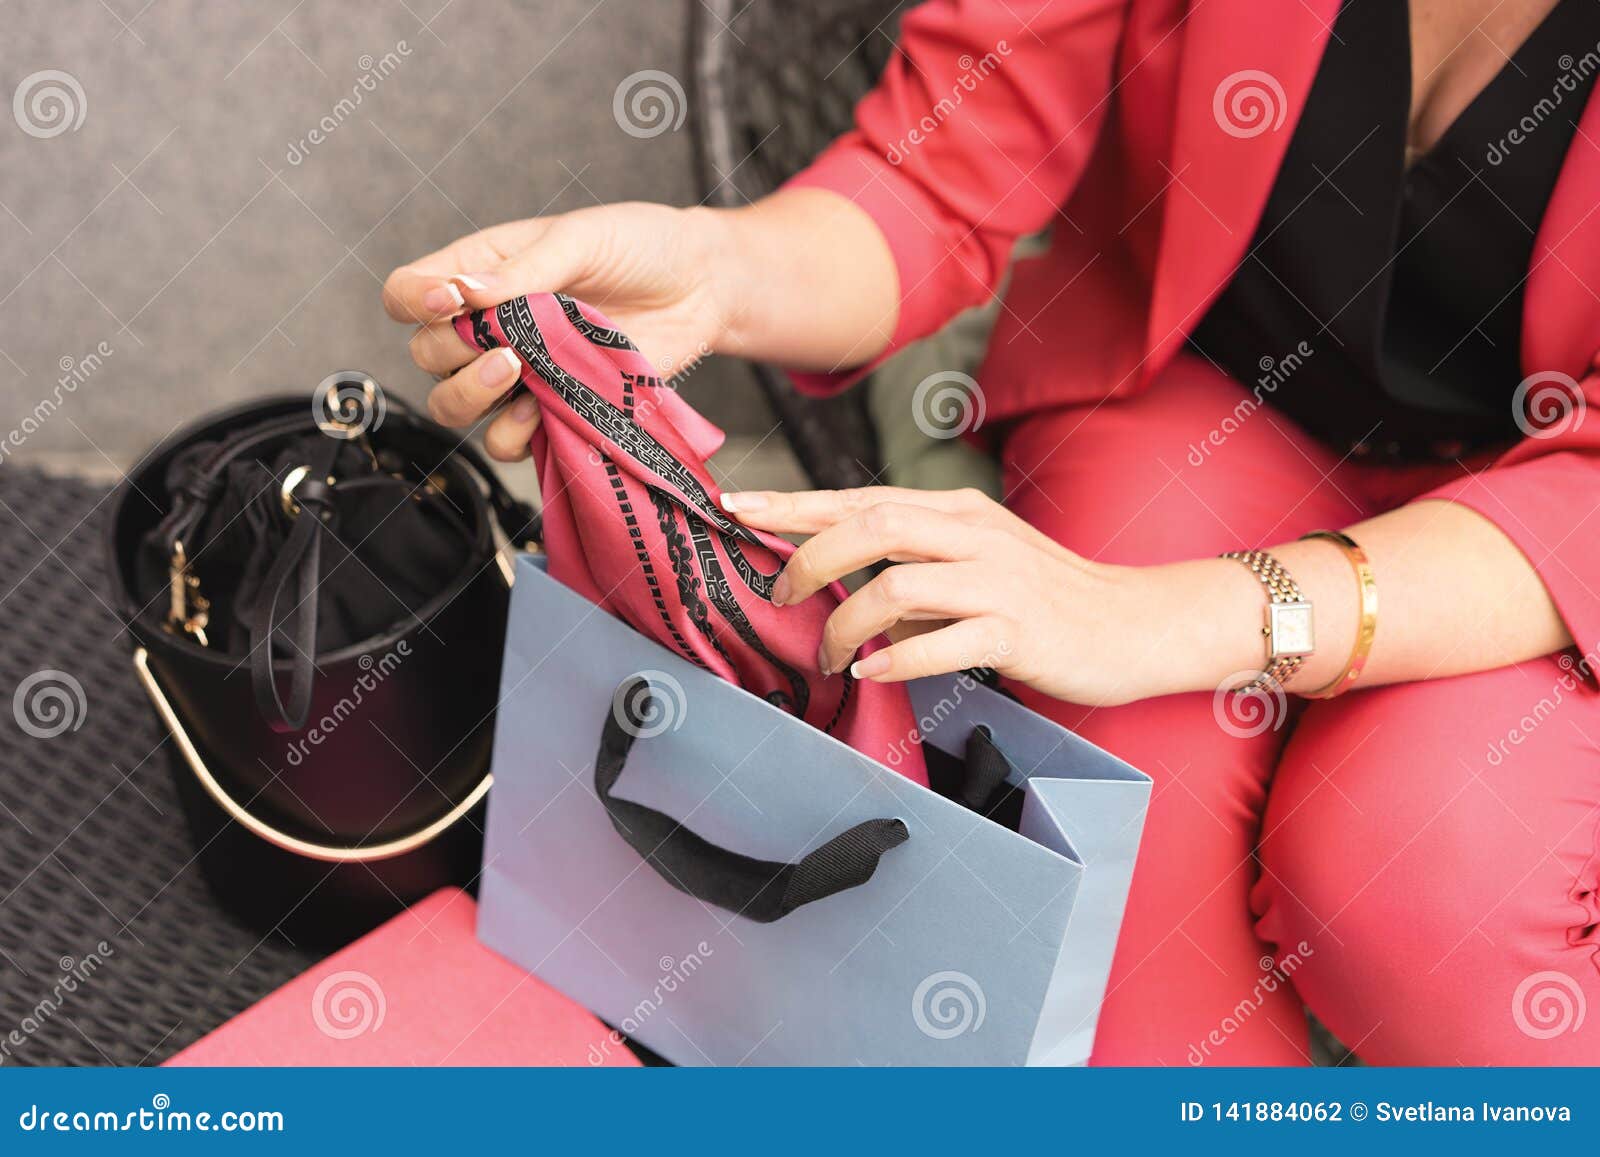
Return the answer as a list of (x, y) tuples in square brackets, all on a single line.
[(412, 296), (508, 435), (467, 395), (438, 349), (431, 298), (430, 288), (886, 530), (555, 259), (480, 271), (980, 642), (918, 591), (809, 511)]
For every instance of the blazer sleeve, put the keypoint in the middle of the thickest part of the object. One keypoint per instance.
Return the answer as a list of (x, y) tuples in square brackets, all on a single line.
[(976, 134), (1544, 494)]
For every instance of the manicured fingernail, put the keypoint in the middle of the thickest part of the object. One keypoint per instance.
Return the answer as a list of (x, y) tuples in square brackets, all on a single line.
[(742, 501), (780, 589), (876, 663), (443, 299), (499, 369), (822, 662), (524, 408), (477, 282)]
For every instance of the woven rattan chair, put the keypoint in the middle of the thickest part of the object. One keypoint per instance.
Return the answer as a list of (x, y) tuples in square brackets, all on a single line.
[(774, 81)]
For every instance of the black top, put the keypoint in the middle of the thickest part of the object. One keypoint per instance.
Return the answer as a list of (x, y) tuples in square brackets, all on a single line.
[(1380, 306)]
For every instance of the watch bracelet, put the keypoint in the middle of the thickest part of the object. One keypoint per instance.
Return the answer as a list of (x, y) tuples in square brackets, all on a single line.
[(1281, 588)]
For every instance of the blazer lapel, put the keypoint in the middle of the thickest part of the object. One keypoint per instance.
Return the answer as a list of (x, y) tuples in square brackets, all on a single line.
[(1561, 307), (1245, 71)]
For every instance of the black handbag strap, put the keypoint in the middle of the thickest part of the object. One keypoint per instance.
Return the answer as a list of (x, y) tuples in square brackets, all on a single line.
[(518, 520), (759, 890), (299, 560), (295, 572), (202, 484), (291, 579)]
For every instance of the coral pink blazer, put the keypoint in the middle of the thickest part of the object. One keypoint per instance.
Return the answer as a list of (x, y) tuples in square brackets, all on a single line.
[(1105, 119)]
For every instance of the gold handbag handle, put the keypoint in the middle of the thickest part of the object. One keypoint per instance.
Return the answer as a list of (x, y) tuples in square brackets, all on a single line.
[(236, 811)]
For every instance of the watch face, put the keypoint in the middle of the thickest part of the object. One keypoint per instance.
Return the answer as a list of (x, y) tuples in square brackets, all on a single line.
[(1291, 629)]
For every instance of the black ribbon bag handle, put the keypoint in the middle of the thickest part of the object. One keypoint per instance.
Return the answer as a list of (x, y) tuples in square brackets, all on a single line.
[(759, 890)]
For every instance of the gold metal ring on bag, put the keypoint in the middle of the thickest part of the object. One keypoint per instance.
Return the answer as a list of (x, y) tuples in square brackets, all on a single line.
[(236, 811)]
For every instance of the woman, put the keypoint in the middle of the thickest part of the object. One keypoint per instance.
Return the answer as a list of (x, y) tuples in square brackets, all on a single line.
[(1313, 268)]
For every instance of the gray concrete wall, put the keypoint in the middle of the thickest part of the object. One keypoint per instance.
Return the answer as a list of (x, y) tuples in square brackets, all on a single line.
[(188, 245)]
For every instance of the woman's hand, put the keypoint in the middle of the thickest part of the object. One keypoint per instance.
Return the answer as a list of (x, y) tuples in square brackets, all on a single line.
[(649, 268), (976, 587), (802, 277)]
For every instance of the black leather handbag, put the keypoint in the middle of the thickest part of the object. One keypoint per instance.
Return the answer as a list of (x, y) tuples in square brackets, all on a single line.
[(318, 608)]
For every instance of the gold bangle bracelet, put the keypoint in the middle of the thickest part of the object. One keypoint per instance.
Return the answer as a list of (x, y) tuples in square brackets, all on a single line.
[(1368, 586)]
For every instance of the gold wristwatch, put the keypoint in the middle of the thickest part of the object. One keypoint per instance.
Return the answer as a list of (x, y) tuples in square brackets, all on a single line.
[(1289, 631)]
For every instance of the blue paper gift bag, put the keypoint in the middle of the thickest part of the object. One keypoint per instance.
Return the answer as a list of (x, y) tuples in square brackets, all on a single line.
[(756, 892)]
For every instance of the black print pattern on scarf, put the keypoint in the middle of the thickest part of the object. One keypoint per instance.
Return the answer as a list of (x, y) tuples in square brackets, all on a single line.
[(482, 334), (526, 339), (721, 595), (844, 699), (691, 567), (682, 561), (640, 551), (613, 339), (522, 333)]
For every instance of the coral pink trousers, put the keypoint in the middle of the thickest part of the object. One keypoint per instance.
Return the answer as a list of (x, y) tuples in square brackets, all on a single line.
[(1419, 864)]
